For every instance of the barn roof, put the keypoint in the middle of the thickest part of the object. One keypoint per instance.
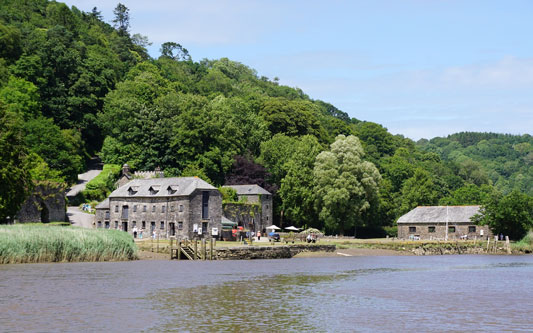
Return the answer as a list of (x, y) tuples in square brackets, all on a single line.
[(251, 189), (161, 187), (435, 214), (103, 205)]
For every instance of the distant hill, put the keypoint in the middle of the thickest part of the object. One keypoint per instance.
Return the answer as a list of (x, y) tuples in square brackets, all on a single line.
[(505, 159)]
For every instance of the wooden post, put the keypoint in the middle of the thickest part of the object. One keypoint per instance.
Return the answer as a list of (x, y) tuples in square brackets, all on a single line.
[(157, 242), (195, 249), (211, 249), (507, 245), (171, 242), (203, 249), (488, 243), (179, 250)]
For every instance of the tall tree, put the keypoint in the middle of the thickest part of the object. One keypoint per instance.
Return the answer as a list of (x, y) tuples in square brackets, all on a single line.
[(15, 179), (345, 184), (122, 19), (297, 192)]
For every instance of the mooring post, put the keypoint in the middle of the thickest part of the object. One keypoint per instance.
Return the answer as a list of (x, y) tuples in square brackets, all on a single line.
[(507, 245), (171, 241), (495, 244), (195, 249), (203, 249), (211, 249)]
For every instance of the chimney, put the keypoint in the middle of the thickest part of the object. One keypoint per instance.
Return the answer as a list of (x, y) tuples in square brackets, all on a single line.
[(125, 170)]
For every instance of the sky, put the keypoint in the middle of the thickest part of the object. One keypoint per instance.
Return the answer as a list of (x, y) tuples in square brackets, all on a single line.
[(420, 68)]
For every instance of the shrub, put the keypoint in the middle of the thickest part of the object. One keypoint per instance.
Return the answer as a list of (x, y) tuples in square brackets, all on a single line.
[(100, 186)]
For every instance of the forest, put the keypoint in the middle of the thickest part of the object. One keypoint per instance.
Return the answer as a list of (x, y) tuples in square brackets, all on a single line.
[(73, 86)]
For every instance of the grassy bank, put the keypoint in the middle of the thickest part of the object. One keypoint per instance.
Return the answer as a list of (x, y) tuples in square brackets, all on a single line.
[(48, 243), (525, 245)]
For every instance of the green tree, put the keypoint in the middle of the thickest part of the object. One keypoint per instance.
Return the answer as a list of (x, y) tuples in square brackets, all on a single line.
[(345, 184), (511, 215), (419, 190), (15, 179), (122, 18), (174, 51), (297, 192)]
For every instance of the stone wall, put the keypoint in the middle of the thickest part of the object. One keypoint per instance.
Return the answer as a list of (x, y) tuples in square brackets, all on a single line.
[(422, 230), (269, 252), (45, 204)]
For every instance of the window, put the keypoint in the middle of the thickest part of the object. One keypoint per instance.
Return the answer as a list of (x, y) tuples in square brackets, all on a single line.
[(205, 205), (181, 208), (134, 208), (180, 225), (99, 224), (205, 226), (107, 224), (116, 209), (134, 223), (172, 208), (144, 208), (267, 218), (116, 224), (412, 229), (451, 230), (125, 213), (431, 229), (153, 208), (162, 225), (472, 228), (163, 209), (266, 206), (143, 224), (107, 215)]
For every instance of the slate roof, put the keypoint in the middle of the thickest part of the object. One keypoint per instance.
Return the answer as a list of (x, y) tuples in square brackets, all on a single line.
[(103, 205), (161, 187), (248, 189), (435, 214)]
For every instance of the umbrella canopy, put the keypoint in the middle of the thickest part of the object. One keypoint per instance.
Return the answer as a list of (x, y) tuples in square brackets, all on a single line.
[(292, 228), (312, 231), (273, 227)]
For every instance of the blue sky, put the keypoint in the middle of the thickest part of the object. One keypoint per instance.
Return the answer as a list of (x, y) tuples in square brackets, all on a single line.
[(420, 68)]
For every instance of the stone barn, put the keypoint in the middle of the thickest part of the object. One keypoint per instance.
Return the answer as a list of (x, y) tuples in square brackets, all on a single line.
[(441, 222), (185, 207), (259, 218)]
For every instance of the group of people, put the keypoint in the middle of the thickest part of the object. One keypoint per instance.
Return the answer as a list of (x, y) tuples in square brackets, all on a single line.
[(311, 238), (138, 232)]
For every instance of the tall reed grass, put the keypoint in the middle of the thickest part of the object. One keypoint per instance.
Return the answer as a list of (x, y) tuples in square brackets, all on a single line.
[(47, 243)]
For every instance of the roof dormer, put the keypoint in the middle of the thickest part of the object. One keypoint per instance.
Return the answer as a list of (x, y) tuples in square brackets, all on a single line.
[(171, 189), (154, 189), (132, 190)]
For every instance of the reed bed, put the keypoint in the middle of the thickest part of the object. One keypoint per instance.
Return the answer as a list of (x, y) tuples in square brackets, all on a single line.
[(48, 243)]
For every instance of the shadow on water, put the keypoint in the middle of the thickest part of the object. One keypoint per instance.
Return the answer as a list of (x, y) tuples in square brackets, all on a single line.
[(273, 303)]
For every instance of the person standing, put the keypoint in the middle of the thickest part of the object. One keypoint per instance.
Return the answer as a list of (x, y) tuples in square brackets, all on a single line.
[(259, 235)]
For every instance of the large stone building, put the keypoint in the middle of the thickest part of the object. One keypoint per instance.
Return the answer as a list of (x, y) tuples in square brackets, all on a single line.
[(185, 207), (441, 222), (252, 194)]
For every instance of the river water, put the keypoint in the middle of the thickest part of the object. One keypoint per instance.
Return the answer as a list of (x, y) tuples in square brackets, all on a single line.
[(340, 294)]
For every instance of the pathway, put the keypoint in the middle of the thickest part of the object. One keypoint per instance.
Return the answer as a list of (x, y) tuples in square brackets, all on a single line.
[(79, 218)]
